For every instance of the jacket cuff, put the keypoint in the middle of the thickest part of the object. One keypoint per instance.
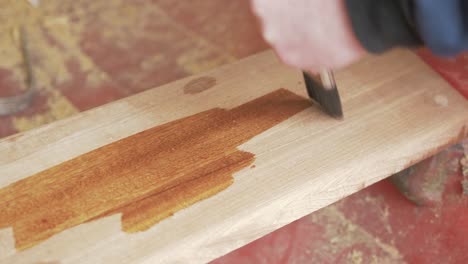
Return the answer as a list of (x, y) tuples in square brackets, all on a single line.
[(383, 24)]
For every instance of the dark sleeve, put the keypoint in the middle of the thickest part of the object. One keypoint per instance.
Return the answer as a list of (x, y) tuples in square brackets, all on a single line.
[(383, 24), (443, 25)]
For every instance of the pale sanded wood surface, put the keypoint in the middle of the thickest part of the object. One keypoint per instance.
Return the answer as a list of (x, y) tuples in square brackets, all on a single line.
[(397, 112)]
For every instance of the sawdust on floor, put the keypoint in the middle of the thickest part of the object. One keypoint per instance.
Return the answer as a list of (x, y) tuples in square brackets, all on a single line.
[(58, 108), (52, 38), (342, 233), (57, 31), (53, 42), (80, 32), (355, 257), (464, 167)]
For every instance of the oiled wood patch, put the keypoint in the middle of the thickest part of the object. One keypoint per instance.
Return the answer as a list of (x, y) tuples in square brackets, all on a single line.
[(146, 177)]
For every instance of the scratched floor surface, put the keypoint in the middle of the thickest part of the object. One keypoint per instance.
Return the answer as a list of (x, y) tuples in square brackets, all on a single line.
[(90, 52)]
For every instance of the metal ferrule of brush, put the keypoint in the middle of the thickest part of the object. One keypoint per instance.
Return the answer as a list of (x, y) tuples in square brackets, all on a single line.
[(328, 79)]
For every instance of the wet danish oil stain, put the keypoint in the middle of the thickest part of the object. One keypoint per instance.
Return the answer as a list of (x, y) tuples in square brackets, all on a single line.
[(148, 176), (199, 85)]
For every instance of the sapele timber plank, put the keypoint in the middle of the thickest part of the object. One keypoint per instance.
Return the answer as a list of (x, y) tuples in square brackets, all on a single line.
[(268, 155)]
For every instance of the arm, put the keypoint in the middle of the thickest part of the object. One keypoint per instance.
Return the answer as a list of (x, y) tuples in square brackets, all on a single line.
[(317, 34), (309, 34)]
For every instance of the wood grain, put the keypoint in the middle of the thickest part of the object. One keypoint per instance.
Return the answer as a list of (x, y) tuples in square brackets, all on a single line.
[(146, 177), (397, 112)]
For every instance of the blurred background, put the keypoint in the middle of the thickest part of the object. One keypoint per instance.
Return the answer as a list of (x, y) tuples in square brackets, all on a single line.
[(86, 53)]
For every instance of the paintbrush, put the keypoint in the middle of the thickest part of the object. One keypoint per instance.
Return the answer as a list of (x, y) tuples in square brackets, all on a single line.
[(325, 92)]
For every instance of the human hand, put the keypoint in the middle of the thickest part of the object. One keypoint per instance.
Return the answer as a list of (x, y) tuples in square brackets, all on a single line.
[(309, 34)]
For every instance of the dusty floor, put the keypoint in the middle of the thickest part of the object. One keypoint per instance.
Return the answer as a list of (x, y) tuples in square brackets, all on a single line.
[(90, 52)]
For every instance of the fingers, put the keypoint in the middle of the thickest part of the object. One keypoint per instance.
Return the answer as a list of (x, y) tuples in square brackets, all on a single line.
[(309, 34)]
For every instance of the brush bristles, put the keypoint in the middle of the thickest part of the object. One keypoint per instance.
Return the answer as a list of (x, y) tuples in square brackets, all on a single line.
[(328, 99)]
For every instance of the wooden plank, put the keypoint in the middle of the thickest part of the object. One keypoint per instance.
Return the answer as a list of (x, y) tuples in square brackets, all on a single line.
[(99, 187)]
